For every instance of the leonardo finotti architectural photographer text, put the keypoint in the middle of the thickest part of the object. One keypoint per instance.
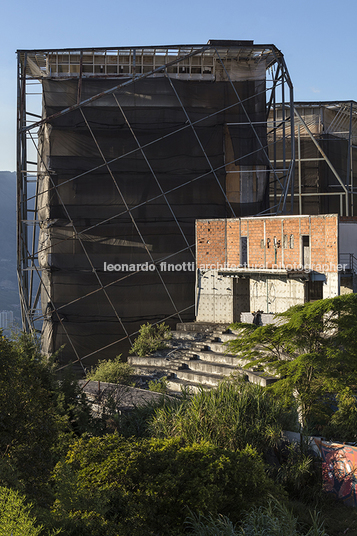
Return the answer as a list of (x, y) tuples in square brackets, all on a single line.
[(191, 266)]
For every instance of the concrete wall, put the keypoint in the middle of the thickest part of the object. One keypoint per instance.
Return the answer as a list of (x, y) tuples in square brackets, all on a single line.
[(275, 294), (331, 285), (269, 293), (214, 297)]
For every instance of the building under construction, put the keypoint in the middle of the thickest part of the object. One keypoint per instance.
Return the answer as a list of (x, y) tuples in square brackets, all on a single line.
[(325, 135), (121, 150)]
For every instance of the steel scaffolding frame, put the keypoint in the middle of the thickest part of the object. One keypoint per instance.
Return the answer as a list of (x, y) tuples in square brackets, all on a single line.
[(342, 127), (173, 62)]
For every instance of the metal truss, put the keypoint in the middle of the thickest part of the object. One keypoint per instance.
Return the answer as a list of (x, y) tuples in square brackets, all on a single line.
[(341, 126), (123, 67), (319, 124)]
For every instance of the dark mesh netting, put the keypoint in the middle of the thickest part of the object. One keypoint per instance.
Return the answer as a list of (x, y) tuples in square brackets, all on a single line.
[(122, 181)]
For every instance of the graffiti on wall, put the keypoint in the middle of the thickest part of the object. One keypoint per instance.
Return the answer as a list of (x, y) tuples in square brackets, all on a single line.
[(339, 470)]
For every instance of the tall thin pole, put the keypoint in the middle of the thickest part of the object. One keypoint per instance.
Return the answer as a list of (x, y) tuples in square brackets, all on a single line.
[(22, 189), (299, 169), (349, 178)]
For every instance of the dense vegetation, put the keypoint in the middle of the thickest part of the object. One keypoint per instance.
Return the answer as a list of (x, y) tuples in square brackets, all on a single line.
[(313, 350), (233, 415), (208, 464), (143, 486)]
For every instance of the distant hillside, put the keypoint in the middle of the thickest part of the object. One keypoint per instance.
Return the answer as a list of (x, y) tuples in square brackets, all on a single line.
[(8, 215), (9, 298)]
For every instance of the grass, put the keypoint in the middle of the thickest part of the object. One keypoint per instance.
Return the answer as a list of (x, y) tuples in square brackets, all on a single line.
[(230, 416)]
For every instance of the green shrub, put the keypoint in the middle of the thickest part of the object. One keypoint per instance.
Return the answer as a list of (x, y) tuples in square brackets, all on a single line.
[(151, 338), (230, 416), (159, 386), (16, 518), (75, 511), (151, 482), (74, 411), (112, 371), (300, 473)]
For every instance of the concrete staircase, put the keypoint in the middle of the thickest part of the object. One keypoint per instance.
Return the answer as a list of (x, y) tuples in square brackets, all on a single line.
[(199, 363)]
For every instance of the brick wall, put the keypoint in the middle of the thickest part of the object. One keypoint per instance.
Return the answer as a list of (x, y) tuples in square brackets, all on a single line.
[(233, 240), (211, 241), (271, 241)]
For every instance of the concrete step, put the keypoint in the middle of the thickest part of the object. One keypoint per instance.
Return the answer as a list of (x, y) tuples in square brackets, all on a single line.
[(185, 335), (200, 327), (189, 357), (199, 346), (224, 337), (176, 385), (261, 378), (150, 364), (149, 361), (212, 368), (143, 370), (219, 358), (192, 354), (177, 365), (216, 357), (206, 373), (218, 348), (199, 378)]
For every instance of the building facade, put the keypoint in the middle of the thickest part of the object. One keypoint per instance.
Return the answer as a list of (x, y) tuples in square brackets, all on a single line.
[(272, 263), (133, 144)]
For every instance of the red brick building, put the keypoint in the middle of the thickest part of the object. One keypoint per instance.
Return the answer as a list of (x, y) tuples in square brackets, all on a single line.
[(272, 263)]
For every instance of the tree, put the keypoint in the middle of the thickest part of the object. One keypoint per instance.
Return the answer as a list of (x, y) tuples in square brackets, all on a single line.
[(343, 423), (144, 486), (27, 417), (312, 350), (39, 414)]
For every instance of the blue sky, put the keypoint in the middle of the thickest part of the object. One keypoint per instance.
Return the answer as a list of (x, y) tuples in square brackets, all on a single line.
[(317, 38)]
